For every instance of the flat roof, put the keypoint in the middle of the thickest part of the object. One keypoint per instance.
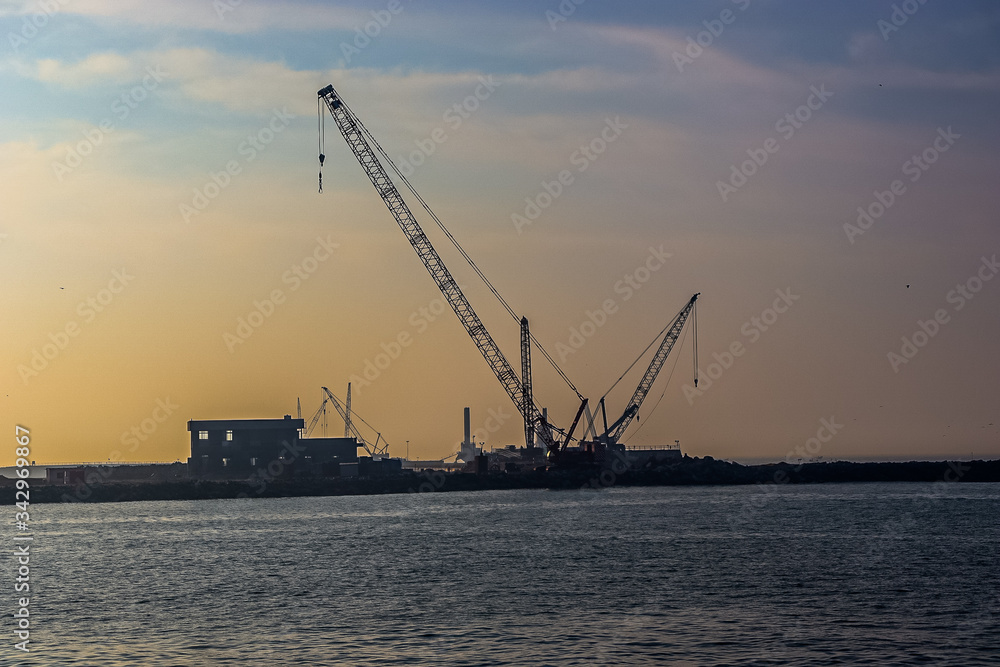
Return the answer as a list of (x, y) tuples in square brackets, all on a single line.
[(244, 424)]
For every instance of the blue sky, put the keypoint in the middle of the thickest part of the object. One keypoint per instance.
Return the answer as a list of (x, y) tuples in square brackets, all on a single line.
[(180, 88)]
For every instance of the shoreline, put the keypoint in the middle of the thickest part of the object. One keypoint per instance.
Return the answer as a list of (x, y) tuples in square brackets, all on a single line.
[(688, 471)]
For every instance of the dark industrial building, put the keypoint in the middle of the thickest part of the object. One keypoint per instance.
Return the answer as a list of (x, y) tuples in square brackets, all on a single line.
[(237, 448)]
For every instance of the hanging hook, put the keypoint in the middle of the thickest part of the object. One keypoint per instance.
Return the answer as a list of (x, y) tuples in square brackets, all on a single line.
[(694, 322), (320, 126)]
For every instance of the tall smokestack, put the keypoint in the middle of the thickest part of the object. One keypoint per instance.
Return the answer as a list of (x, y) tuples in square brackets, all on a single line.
[(468, 428)]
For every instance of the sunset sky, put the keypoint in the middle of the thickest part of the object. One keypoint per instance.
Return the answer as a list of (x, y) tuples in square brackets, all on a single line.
[(158, 182)]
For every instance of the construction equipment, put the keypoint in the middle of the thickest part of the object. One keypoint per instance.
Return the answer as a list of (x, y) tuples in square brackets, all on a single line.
[(376, 450), (361, 142), (612, 435), (357, 138), (526, 399), (321, 412)]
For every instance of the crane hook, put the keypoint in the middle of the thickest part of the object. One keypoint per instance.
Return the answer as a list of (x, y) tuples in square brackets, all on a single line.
[(321, 159)]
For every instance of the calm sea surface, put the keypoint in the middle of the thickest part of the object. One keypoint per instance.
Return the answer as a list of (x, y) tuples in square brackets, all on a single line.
[(886, 574)]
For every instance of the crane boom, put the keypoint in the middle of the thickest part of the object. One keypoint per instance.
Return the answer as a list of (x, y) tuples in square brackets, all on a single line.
[(373, 450), (505, 373), (320, 412), (527, 401), (616, 430)]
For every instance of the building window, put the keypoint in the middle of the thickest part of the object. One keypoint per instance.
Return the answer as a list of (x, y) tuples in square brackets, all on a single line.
[(229, 436), (203, 435), (225, 462), (253, 461)]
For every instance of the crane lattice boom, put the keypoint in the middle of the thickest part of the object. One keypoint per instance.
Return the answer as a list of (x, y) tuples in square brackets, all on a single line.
[(373, 449), (615, 432), (386, 189)]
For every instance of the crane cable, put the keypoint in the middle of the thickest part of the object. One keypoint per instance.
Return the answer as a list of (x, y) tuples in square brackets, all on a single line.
[(637, 359), (355, 415), (454, 242), (321, 136), (694, 325), (664, 392)]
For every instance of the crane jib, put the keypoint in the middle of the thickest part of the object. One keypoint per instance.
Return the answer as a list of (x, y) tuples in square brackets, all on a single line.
[(618, 429), (519, 389), (429, 257)]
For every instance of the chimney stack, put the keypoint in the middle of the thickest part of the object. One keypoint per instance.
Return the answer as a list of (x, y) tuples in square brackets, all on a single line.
[(468, 428)]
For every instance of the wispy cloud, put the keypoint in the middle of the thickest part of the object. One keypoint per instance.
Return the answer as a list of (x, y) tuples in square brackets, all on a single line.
[(226, 16)]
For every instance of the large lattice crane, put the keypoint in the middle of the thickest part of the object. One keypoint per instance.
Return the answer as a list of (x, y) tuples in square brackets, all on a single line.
[(357, 139), (613, 434)]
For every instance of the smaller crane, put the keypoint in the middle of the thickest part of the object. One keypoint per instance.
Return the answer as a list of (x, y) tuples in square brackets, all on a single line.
[(613, 434), (374, 449), (321, 412)]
